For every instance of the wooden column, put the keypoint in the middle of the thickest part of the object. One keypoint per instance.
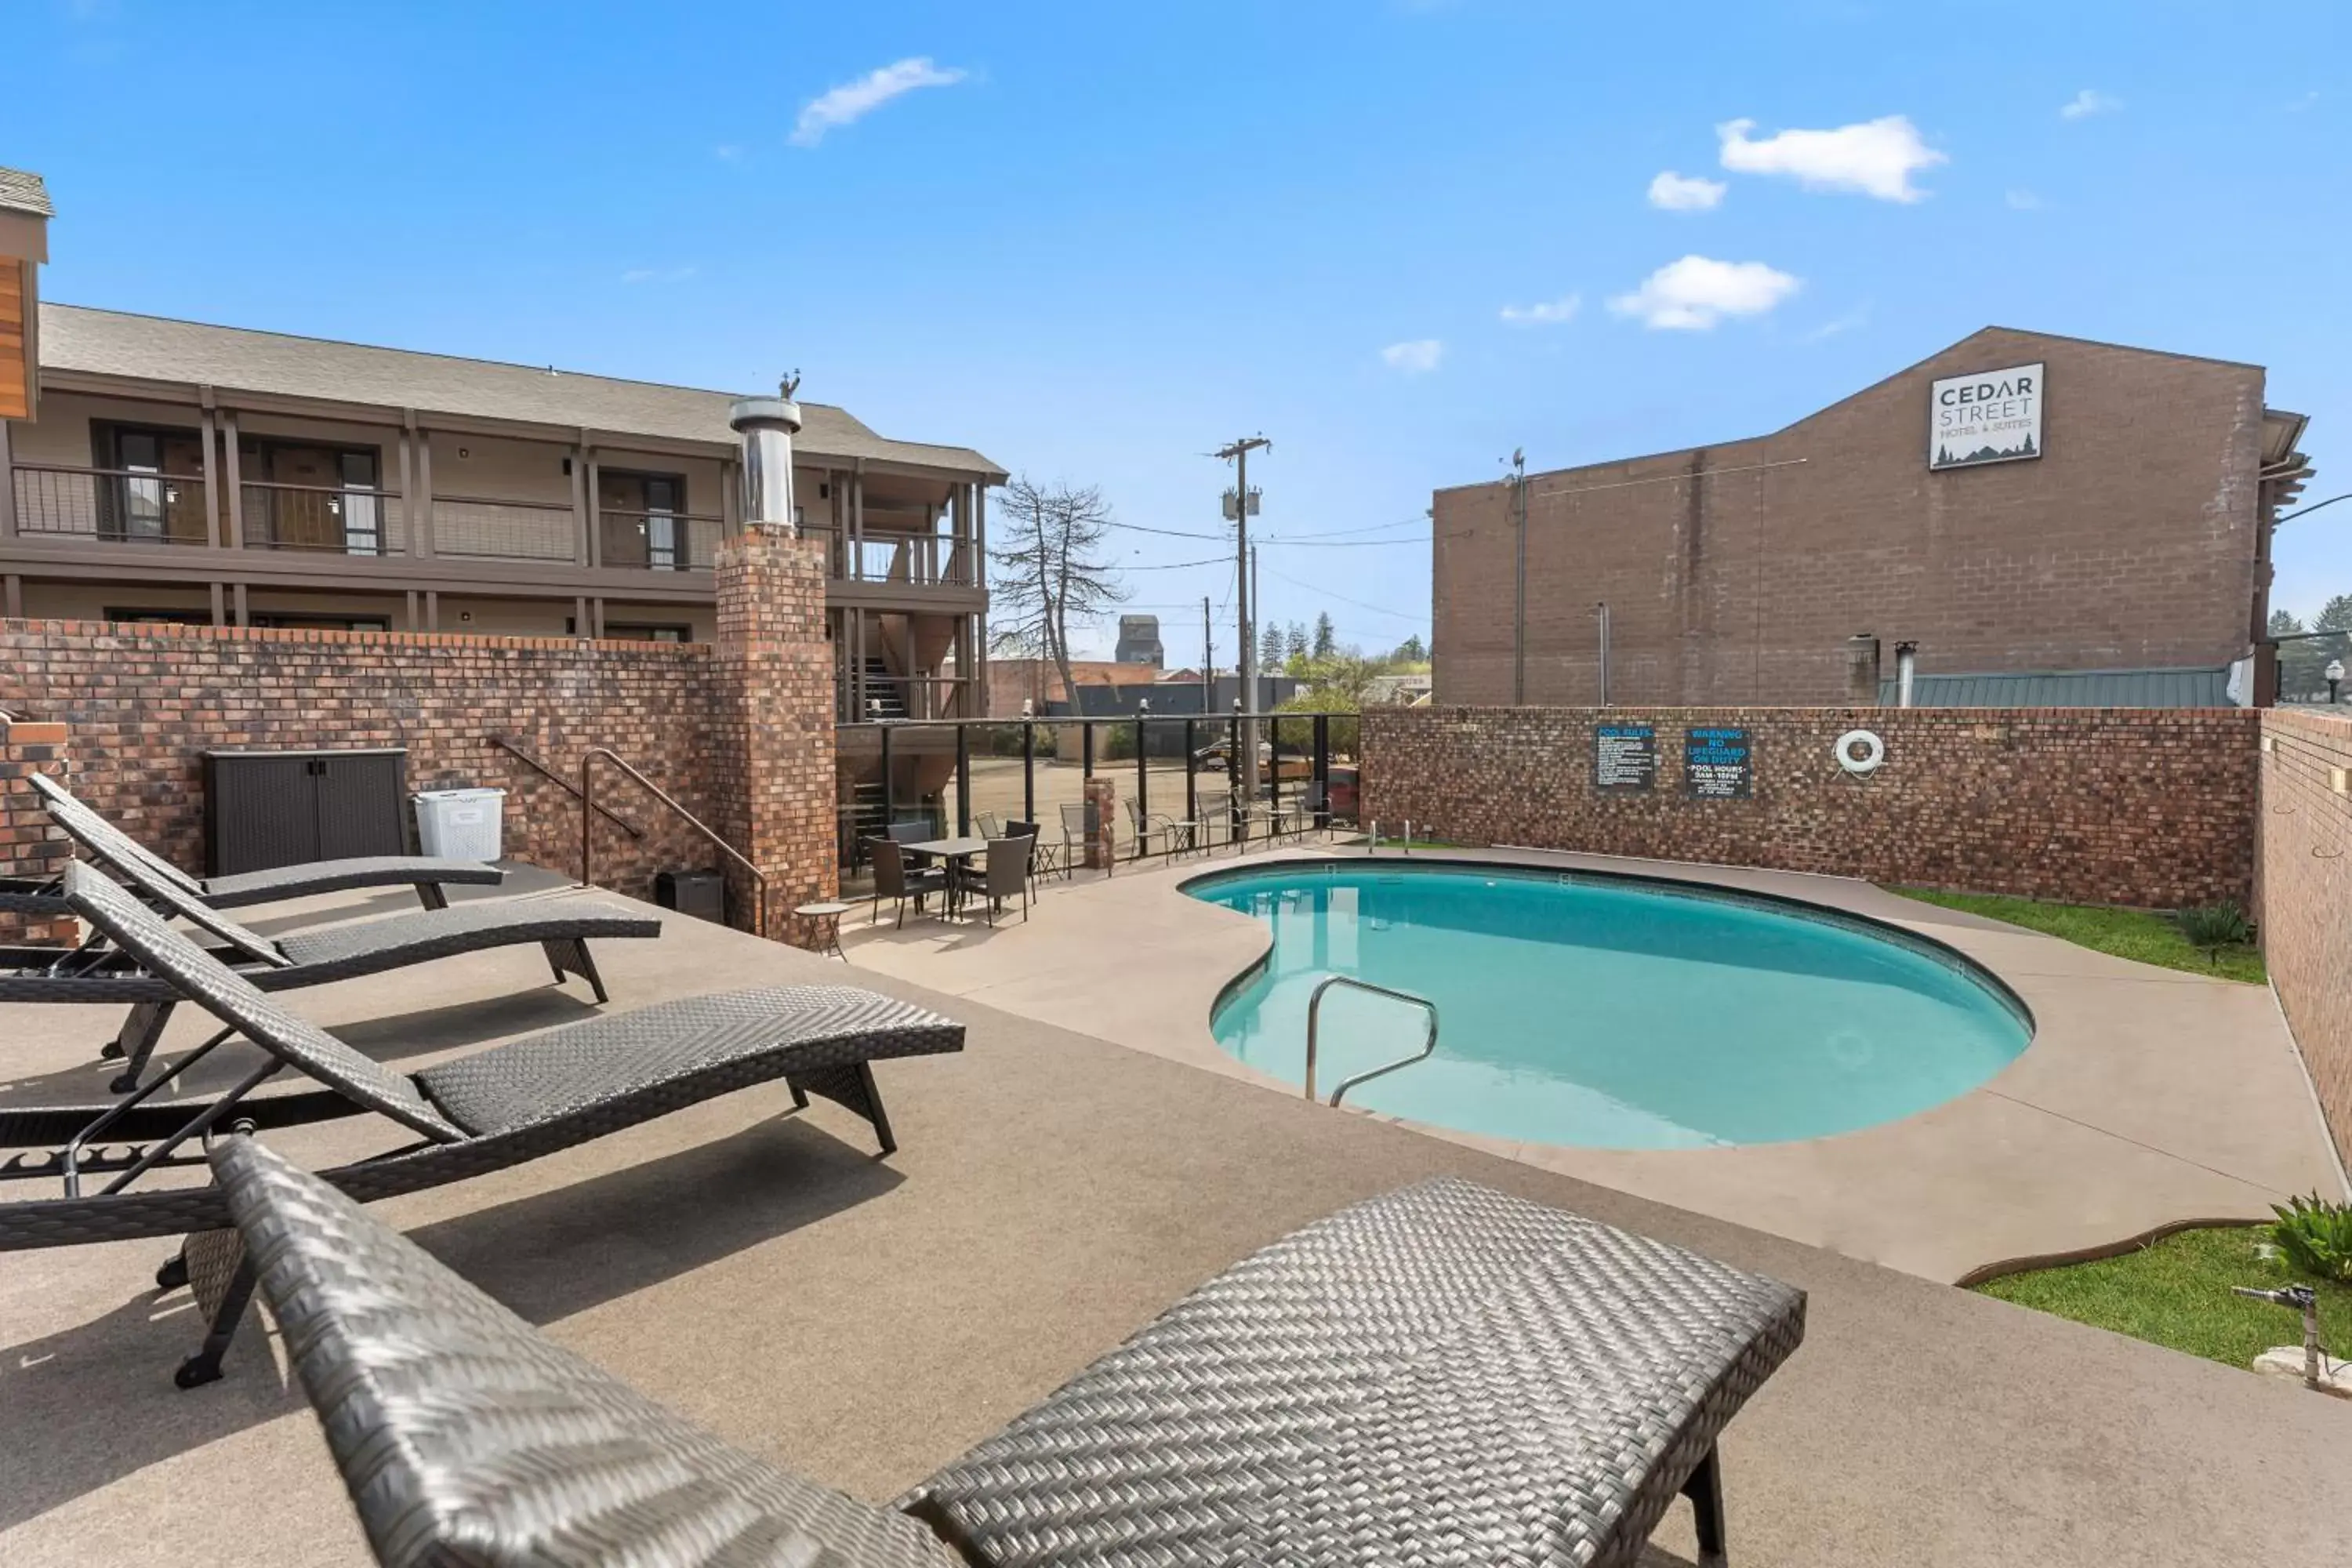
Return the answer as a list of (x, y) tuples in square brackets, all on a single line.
[(413, 622), (579, 626), (216, 525), (7, 486), (596, 616), (432, 610), (13, 604), (233, 476), (420, 526), (408, 494), (220, 605), (979, 621), (591, 551), (244, 610)]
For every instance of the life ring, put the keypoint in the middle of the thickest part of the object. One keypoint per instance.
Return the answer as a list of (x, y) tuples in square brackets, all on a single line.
[(1873, 752)]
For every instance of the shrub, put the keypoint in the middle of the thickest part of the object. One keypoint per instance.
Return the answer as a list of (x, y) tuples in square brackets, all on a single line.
[(2317, 1237), (2212, 927)]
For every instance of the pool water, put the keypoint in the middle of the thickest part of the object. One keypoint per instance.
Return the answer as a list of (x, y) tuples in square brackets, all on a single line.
[(1605, 1012)]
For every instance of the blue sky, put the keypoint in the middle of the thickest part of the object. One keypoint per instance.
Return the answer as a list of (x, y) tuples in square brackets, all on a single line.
[(1098, 240)]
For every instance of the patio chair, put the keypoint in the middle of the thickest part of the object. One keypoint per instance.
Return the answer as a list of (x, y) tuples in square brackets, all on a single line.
[(987, 824), (111, 845), (469, 1116), (894, 879), (912, 831), (1006, 875), (1443, 1375), (1074, 839), (1214, 808), (1044, 859), (99, 972), (1175, 835)]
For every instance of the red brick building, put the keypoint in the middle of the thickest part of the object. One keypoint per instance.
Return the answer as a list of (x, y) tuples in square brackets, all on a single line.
[(2016, 503)]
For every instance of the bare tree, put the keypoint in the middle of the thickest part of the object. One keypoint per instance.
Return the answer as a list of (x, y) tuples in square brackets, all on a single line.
[(1049, 571)]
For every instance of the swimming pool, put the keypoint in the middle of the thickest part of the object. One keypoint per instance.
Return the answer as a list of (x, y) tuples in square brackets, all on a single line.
[(1608, 1012)]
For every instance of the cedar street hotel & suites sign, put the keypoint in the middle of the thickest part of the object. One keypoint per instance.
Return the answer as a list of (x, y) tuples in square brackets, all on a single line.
[(1992, 417)]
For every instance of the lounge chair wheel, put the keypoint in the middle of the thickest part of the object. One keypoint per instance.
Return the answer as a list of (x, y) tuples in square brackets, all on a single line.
[(174, 1273), (197, 1371), (123, 1083), (110, 1051)]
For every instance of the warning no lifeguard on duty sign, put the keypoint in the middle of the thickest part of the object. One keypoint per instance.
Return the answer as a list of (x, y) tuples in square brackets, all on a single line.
[(1992, 417)]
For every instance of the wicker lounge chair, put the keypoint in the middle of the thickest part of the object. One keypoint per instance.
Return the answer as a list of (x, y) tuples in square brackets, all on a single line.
[(1441, 1375), (98, 973), (469, 1115), (104, 842)]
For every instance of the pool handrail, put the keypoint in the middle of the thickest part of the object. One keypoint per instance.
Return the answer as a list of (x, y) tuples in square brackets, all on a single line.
[(1314, 1011)]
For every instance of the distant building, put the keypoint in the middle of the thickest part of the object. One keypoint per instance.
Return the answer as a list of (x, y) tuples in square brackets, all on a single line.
[(2094, 517), (1138, 642)]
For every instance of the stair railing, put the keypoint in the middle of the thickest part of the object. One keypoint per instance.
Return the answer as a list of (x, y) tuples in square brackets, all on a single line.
[(1314, 1013), (588, 807)]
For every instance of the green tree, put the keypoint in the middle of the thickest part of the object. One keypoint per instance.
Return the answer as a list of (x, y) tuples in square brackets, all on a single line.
[(1295, 642), (1413, 650), (1326, 641)]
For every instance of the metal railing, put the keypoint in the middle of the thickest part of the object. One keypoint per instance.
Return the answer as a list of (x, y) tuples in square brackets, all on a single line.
[(588, 808), (505, 530), (916, 560), (508, 743), (337, 519), (658, 541), (1314, 1015), (111, 505)]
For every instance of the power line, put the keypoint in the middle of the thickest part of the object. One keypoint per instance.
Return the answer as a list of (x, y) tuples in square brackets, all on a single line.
[(1376, 609)]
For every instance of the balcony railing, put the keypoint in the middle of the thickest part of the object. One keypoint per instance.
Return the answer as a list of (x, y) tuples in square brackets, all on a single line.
[(505, 529), (342, 521), (659, 541), (111, 506), (917, 560), (901, 697)]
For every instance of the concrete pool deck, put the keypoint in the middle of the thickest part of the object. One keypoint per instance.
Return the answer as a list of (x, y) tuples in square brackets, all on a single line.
[(864, 1321), (2148, 1096)]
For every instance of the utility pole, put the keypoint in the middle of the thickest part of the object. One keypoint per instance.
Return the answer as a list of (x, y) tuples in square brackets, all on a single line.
[(1237, 453), (1208, 663), (1519, 579)]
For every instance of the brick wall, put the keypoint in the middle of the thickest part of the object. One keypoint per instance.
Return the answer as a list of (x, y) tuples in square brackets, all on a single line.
[(2148, 807), (1735, 574), (140, 704), (2305, 826), (29, 847)]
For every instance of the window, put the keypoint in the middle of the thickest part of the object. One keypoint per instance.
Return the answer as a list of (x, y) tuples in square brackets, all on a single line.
[(153, 488)]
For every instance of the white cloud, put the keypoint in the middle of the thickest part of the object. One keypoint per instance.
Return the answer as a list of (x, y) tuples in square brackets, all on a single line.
[(1549, 313), (1693, 294), (852, 101), (729, 152), (1857, 317), (1418, 357), (1685, 193), (2087, 102), (2025, 201), (1876, 157), (659, 274)]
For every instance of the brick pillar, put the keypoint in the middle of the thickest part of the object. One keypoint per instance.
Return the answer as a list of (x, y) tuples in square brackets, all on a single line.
[(775, 774), (1102, 824), (31, 846)]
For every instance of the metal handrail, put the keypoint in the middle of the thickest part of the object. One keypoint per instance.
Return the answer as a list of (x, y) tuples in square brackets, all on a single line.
[(587, 837), (607, 813), (1314, 1010)]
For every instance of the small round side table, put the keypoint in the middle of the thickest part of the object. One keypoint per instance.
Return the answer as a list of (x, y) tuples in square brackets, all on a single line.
[(827, 917)]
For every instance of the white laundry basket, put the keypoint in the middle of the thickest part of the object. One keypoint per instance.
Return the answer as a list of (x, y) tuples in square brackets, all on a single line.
[(461, 824)]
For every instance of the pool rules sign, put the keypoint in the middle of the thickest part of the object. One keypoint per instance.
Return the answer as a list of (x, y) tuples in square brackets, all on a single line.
[(1993, 417)]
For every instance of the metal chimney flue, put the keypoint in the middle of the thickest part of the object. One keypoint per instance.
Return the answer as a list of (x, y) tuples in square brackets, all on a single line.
[(1906, 669), (767, 426)]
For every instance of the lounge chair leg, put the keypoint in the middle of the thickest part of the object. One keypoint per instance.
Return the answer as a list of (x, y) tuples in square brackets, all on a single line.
[(800, 1098), (569, 955), (1704, 1489), (173, 1272), (223, 1249), (430, 895), (135, 1043), (874, 1111), (850, 1088)]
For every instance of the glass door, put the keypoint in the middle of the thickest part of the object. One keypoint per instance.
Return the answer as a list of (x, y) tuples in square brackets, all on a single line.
[(363, 506), (662, 524)]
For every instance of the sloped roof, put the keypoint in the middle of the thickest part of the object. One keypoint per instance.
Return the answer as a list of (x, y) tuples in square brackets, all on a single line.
[(156, 348), (2070, 688), (21, 191)]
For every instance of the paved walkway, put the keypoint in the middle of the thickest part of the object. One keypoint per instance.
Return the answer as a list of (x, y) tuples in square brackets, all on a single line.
[(864, 1321), (2149, 1095)]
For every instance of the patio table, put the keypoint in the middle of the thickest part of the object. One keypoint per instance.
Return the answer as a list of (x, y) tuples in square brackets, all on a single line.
[(953, 850)]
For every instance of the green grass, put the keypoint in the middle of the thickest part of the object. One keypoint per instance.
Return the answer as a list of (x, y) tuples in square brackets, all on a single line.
[(2177, 1293), (2128, 933)]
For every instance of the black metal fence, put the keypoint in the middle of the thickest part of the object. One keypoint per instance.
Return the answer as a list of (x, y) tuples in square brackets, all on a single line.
[(1181, 781)]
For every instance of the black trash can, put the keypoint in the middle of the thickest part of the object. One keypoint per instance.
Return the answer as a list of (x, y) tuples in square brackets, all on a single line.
[(702, 894)]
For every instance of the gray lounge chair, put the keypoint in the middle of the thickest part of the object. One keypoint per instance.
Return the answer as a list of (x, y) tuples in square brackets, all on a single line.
[(97, 973), (1441, 1375), (469, 1115), (108, 844)]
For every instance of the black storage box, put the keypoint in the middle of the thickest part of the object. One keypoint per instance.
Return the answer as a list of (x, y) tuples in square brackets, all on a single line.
[(702, 894), (266, 809)]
